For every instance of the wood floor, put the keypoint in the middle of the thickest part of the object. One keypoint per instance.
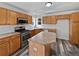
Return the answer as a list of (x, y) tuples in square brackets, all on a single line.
[(62, 48)]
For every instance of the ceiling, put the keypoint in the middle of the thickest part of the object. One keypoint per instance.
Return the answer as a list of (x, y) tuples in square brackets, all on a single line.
[(38, 8)]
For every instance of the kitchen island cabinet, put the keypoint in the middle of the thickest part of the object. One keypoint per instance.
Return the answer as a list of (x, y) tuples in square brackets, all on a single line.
[(39, 45)]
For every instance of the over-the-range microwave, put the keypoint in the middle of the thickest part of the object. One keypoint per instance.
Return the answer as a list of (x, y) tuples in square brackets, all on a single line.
[(22, 21)]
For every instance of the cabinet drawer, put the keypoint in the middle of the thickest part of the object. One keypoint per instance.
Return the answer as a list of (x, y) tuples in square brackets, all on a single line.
[(52, 30)]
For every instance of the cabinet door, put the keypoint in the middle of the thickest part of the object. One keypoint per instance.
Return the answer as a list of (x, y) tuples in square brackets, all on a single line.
[(30, 19), (3, 16), (75, 17), (75, 33), (12, 17), (63, 17), (32, 32), (14, 43), (52, 30), (4, 49), (48, 20), (37, 31), (52, 19), (44, 20)]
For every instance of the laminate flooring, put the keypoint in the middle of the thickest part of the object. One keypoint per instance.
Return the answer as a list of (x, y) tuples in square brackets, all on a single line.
[(61, 48)]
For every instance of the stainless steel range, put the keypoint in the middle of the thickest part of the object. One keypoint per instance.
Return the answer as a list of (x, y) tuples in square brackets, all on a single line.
[(25, 35)]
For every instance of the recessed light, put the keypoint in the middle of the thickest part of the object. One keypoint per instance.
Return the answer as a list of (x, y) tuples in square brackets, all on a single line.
[(48, 4)]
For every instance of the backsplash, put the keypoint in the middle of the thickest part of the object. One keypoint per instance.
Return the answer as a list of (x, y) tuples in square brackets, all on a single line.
[(6, 29)]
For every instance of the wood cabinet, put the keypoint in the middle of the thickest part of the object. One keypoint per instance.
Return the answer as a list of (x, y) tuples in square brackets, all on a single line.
[(9, 44), (52, 30), (75, 17), (49, 20), (38, 31), (74, 29), (11, 17), (14, 43), (32, 32), (37, 49), (44, 20), (29, 19), (52, 19), (63, 17), (3, 16), (21, 15), (4, 47), (35, 31)]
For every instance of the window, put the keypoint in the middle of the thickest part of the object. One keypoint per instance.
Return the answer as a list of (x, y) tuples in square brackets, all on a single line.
[(39, 21)]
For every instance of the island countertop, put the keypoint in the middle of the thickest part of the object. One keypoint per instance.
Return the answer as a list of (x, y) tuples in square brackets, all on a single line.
[(44, 37)]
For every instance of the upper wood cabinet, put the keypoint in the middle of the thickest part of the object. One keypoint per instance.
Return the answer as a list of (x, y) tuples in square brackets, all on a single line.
[(63, 17), (11, 17), (21, 15), (52, 19), (3, 16), (49, 20), (75, 17), (44, 20), (29, 19)]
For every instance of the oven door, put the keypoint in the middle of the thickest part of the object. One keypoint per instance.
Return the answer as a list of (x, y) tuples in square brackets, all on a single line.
[(24, 39)]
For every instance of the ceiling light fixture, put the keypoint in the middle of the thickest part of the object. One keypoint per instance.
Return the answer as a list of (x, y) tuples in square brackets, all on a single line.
[(48, 4)]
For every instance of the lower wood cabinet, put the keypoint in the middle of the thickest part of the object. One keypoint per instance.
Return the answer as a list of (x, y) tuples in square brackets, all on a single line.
[(4, 49), (52, 30), (9, 45), (74, 31), (35, 31), (14, 43)]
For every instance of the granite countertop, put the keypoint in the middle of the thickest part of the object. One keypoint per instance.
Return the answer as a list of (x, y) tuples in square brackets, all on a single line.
[(8, 34), (44, 37)]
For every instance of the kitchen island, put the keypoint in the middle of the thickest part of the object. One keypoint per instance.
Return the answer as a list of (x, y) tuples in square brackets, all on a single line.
[(40, 44)]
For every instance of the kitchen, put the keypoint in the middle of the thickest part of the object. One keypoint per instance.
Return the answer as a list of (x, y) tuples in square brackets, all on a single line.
[(38, 29)]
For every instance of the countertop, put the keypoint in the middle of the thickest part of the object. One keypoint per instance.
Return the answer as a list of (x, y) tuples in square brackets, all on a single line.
[(44, 37), (40, 27), (8, 34)]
